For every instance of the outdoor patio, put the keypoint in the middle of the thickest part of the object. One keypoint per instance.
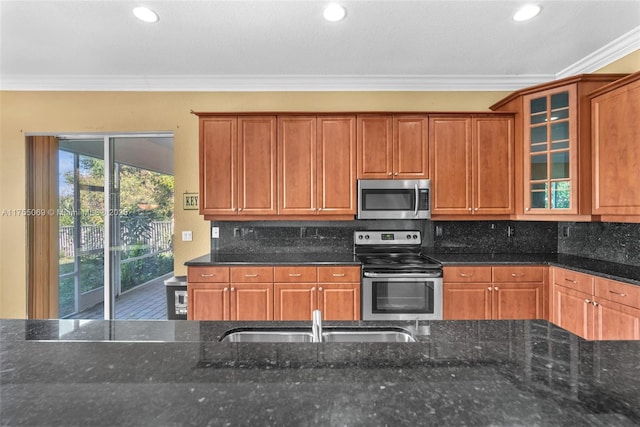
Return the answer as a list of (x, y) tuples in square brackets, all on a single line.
[(148, 301)]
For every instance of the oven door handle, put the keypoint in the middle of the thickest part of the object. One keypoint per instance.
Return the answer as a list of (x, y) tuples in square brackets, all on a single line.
[(401, 275), (415, 213)]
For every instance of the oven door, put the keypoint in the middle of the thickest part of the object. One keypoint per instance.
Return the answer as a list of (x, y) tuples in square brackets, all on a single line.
[(401, 298)]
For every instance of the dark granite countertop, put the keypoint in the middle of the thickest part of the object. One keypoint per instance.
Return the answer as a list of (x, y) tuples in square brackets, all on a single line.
[(287, 258), (609, 270), (170, 373)]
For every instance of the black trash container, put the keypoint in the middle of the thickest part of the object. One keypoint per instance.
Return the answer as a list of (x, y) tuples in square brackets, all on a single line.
[(176, 298)]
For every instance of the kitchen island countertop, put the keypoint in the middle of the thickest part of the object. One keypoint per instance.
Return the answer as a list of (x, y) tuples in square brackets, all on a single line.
[(170, 373)]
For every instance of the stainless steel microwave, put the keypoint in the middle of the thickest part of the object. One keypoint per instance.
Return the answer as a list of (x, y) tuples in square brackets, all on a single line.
[(394, 199)]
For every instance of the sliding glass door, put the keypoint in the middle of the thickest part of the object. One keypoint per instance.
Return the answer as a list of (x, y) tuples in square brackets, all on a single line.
[(115, 226)]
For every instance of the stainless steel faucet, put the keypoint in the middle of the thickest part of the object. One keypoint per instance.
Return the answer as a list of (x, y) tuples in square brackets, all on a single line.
[(316, 326)]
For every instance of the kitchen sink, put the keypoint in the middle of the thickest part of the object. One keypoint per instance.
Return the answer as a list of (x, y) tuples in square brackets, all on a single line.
[(329, 334)]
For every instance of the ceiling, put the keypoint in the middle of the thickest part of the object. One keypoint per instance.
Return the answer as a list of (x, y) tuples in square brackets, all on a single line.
[(232, 45)]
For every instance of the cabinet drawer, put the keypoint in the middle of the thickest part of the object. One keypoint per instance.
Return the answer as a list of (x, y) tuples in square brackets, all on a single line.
[(208, 274), (617, 292), (252, 274), (466, 274), (339, 274), (573, 280), (293, 274), (518, 273)]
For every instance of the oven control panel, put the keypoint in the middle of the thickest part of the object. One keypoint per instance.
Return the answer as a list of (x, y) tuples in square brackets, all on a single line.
[(396, 237)]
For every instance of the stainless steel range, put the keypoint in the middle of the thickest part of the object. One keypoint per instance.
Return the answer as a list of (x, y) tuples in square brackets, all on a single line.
[(398, 281)]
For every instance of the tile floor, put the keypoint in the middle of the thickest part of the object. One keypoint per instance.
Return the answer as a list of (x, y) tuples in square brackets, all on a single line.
[(145, 302)]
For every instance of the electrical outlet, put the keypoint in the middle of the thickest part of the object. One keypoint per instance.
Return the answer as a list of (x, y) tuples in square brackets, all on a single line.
[(187, 236), (565, 231), (510, 231), (438, 231), (215, 232)]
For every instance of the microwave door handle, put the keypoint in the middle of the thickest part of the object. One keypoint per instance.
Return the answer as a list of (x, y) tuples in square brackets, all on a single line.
[(415, 213)]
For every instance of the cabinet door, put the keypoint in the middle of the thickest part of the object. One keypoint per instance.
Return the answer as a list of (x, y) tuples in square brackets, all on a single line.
[(375, 146), (466, 301), (336, 168), (616, 151), (251, 301), (218, 163), (517, 301), (615, 321), (450, 145), (410, 147), (297, 160), (294, 301), (551, 152), (572, 310), (493, 165), (208, 301), (339, 301), (257, 166)]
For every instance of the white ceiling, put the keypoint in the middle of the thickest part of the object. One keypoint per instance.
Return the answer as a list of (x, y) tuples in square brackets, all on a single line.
[(287, 45)]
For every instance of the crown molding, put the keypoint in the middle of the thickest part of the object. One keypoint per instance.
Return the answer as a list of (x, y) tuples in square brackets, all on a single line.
[(270, 83), (618, 48)]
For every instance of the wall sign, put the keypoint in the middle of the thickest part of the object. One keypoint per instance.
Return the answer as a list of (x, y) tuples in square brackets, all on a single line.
[(190, 201)]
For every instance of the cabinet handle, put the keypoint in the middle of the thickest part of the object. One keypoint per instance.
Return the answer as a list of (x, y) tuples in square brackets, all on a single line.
[(587, 301), (250, 275), (571, 281), (207, 275), (338, 275), (595, 304), (295, 274), (618, 293), (517, 275), (466, 275)]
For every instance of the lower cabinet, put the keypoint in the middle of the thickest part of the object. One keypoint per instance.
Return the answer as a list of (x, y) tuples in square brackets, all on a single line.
[(333, 290), (249, 293), (595, 308), (483, 292)]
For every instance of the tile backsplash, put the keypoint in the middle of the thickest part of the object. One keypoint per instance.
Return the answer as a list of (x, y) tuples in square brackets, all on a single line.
[(608, 241)]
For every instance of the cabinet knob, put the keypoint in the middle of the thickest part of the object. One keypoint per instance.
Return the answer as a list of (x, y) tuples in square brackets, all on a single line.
[(587, 301), (595, 304), (225, 290), (527, 209), (320, 289), (233, 289), (396, 174), (489, 289), (469, 209), (495, 288), (390, 174), (475, 209)]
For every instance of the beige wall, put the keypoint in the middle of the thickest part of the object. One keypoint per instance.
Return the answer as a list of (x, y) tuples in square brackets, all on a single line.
[(59, 112)]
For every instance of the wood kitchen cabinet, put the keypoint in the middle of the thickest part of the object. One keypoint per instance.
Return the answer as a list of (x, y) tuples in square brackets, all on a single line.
[(595, 308), (334, 290), (392, 146), (236, 293), (501, 292), (472, 165), (615, 110), (238, 165), (316, 157), (553, 147)]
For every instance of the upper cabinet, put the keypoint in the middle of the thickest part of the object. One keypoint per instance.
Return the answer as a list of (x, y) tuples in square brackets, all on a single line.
[(392, 146), (268, 166), (616, 150), (238, 165), (553, 147), (472, 165), (317, 158)]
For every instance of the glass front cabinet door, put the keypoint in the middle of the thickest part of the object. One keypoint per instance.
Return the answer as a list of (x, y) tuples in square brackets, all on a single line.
[(550, 152)]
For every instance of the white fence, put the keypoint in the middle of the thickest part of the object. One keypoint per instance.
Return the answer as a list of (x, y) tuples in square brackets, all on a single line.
[(92, 238)]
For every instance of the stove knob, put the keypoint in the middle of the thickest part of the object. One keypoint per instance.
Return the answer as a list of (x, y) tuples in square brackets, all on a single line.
[(409, 236), (360, 237), (366, 236), (415, 236)]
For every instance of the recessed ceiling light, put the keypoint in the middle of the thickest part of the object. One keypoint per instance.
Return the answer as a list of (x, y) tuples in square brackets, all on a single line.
[(145, 14), (334, 12), (526, 12)]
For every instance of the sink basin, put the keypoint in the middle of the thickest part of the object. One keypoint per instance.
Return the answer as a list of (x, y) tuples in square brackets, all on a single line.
[(367, 335), (329, 334), (267, 335)]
